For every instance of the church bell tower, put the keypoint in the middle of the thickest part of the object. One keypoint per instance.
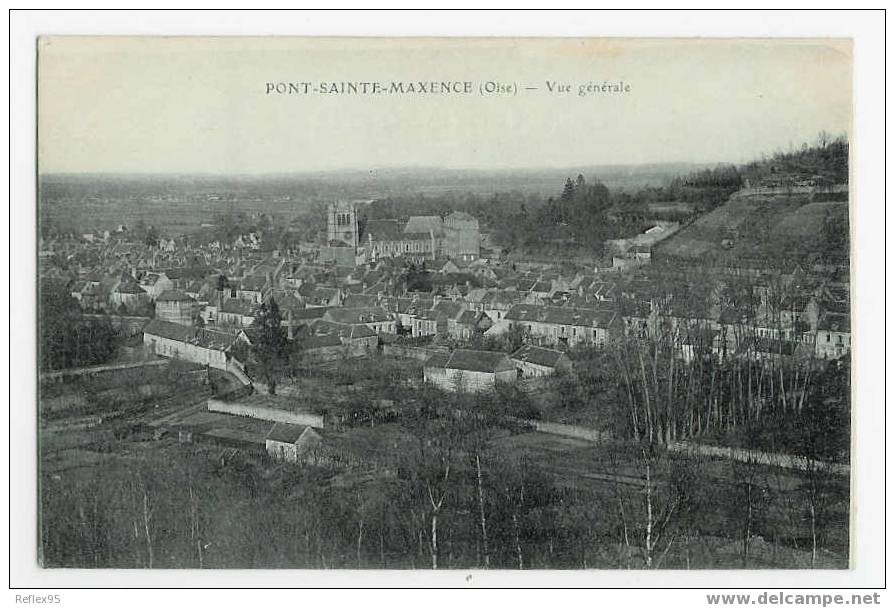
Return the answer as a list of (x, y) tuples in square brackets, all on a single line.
[(342, 224)]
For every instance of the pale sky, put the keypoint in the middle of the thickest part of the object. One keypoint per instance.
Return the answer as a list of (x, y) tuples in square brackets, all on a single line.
[(189, 105)]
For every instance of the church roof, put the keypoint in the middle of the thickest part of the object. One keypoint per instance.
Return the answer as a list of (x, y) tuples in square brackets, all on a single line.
[(384, 230), (423, 224)]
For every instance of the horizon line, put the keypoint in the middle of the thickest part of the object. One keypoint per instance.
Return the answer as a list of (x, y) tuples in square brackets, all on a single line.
[(306, 172)]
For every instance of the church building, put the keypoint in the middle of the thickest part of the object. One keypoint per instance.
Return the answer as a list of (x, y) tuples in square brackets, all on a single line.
[(421, 237)]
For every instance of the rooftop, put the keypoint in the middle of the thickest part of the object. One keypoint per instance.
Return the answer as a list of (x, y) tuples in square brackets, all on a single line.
[(472, 360), (539, 356)]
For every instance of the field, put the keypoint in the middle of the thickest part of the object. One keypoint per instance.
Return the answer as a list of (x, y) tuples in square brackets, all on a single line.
[(181, 204)]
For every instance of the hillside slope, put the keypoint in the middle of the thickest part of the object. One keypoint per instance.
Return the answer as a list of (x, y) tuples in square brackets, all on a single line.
[(769, 229)]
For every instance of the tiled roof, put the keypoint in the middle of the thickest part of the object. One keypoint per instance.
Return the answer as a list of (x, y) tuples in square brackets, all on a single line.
[(310, 342), (537, 355), (469, 317), (395, 304), (368, 314), (581, 317), (384, 230), (448, 308), (476, 360), (213, 339), (308, 313), (174, 295), (359, 301), (240, 307), (472, 360), (422, 224)]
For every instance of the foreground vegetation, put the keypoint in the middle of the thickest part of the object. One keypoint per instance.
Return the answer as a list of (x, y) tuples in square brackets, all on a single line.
[(447, 483)]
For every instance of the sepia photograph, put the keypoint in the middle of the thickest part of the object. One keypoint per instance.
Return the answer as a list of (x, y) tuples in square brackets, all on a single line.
[(441, 304)]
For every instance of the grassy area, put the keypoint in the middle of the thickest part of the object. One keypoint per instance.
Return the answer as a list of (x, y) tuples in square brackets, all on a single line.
[(769, 227)]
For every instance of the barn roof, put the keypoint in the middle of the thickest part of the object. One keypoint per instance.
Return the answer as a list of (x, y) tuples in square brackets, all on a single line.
[(214, 339), (286, 433), (472, 360), (539, 356)]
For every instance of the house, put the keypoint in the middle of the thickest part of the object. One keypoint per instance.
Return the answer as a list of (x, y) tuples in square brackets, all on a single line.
[(561, 326), (156, 283), (360, 300), (468, 370), (424, 324), (470, 324), (439, 320), (357, 339), (129, 295), (209, 347), (304, 317), (404, 310), (320, 348), (237, 313), (253, 288), (445, 267), (538, 291), (372, 317), (93, 295), (288, 442), (474, 299), (176, 306), (700, 341), (323, 296), (496, 304), (833, 336), (535, 362)]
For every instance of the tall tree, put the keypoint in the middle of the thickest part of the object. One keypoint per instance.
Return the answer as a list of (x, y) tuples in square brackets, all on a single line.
[(270, 346)]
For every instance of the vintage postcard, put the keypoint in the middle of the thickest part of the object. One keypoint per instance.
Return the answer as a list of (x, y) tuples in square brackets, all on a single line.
[(456, 303)]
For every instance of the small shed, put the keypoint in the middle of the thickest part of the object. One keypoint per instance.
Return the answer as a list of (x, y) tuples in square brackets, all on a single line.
[(288, 442), (534, 361), (468, 370)]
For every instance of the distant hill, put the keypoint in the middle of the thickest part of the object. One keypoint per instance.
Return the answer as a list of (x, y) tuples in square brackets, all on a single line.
[(825, 161), (794, 208), (180, 203)]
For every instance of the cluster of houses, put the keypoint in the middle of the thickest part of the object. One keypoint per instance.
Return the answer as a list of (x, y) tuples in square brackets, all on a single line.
[(203, 300)]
